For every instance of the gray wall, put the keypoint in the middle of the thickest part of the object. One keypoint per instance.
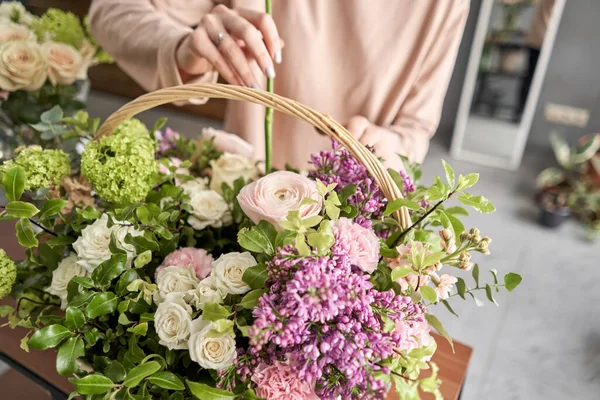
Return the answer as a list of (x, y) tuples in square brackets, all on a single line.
[(573, 76)]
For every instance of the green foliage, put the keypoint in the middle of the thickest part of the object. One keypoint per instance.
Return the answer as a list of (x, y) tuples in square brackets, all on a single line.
[(14, 183), (59, 26), (8, 274)]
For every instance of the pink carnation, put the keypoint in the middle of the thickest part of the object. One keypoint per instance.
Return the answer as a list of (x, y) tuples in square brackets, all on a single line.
[(280, 382), (415, 334), (198, 259), (363, 244)]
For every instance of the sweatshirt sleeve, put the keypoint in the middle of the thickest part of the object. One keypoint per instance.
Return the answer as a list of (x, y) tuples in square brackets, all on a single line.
[(419, 115), (143, 35)]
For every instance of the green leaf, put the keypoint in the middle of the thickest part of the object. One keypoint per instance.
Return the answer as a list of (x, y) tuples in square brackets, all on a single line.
[(457, 225), (439, 328), (5, 310), (84, 281), (465, 182), (82, 298), (143, 259), (268, 229), (115, 371), (428, 294), (461, 287), (457, 211), (432, 258), (397, 204), (489, 294), (449, 174), (48, 337), (25, 234), (140, 329), (255, 240), (205, 392), (475, 274), (250, 300), (52, 116), (512, 280), (21, 209), (448, 307), (137, 374), (256, 276), (68, 353), (60, 240), (434, 194), (167, 380), (550, 177), (159, 123), (561, 150), (14, 183), (74, 318), (92, 384), (102, 303), (349, 190), (479, 203), (125, 280), (401, 272), (495, 275), (52, 207), (214, 312), (109, 269), (284, 237)]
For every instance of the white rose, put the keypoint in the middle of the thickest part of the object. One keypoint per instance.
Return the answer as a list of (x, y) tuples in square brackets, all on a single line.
[(230, 167), (208, 348), (92, 246), (22, 66), (194, 186), (209, 208), (229, 270), (61, 276), (174, 279), (172, 321), (15, 11), (64, 63), (206, 292), (10, 32)]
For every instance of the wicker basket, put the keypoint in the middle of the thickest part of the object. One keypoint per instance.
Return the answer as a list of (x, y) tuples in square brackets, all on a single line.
[(320, 121)]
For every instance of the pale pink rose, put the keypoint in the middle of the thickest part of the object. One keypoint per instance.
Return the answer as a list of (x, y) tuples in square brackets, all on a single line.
[(363, 243), (64, 63), (443, 288), (228, 142), (22, 66), (198, 259), (415, 334), (280, 382), (272, 197), (10, 32)]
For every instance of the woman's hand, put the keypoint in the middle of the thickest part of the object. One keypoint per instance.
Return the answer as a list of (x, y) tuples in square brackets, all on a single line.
[(233, 42)]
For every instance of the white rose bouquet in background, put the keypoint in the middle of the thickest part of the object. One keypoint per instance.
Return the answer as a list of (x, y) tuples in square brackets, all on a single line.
[(43, 63)]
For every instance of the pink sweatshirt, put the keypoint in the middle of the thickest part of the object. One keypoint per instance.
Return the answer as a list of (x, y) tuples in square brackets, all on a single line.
[(380, 67)]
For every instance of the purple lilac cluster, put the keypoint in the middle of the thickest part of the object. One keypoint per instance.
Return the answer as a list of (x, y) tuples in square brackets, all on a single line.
[(325, 318), (166, 140)]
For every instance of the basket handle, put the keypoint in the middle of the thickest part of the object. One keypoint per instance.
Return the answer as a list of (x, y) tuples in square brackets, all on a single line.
[(320, 121)]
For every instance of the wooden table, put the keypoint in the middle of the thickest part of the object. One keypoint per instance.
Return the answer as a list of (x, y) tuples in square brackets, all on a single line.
[(41, 364)]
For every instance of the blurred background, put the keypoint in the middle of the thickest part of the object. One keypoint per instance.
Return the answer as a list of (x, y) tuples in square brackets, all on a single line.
[(521, 109)]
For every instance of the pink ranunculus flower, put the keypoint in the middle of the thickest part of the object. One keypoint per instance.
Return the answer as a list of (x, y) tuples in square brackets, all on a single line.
[(415, 334), (363, 244), (280, 382), (272, 197), (198, 259)]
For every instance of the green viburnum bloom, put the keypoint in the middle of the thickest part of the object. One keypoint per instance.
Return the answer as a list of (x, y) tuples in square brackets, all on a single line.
[(42, 167), (121, 167), (8, 274), (59, 26)]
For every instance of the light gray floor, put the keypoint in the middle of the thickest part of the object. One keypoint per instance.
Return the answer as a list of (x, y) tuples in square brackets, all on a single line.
[(543, 342)]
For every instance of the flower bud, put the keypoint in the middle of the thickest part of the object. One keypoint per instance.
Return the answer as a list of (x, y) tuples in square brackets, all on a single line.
[(475, 239), (466, 266), (474, 231), (485, 252), (465, 236), (446, 234), (464, 256)]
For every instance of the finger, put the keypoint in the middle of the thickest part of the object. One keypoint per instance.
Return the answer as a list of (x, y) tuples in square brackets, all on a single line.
[(242, 29), (266, 25), (202, 46), (230, 51)]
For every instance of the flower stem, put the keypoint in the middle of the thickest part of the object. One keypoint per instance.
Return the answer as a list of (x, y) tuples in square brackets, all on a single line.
[(269, 115)]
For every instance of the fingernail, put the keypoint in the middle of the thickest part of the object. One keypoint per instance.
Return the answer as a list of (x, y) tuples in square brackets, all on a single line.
[(256, 86), (277, 57), (270, 71)]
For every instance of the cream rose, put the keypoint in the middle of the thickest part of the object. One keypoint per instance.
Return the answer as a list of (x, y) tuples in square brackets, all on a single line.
[(205, 292), (10, 32), (194, 186), (230, 167), (64, 63), (22, 66), (229, 270), (172, 321), (92, 246), (61, 276), (209, 208), (174, 279), (208, 348), (272, 197)]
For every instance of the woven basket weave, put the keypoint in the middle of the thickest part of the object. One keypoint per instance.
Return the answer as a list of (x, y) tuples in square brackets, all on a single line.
[(320, 121)]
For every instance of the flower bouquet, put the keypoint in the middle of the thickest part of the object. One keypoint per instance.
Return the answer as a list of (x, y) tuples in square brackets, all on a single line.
[(43, 62), (201, 279)]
